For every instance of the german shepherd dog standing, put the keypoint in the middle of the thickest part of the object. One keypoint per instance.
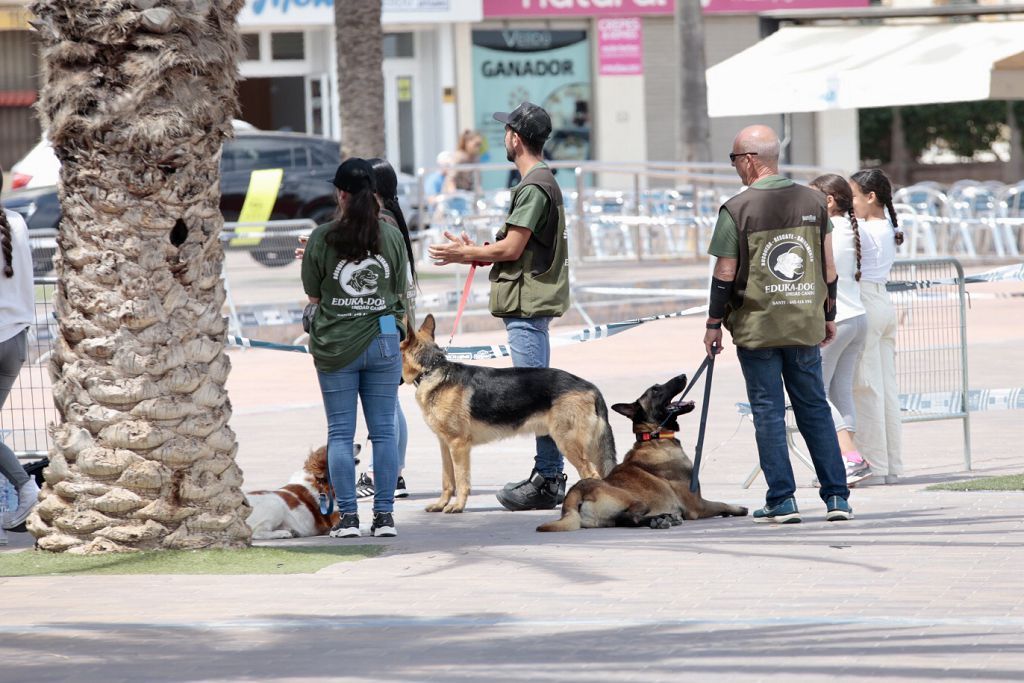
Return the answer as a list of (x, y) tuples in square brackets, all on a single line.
[(651, 487), (466, 405)]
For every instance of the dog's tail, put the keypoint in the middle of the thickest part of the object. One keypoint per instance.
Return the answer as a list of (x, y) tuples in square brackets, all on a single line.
[(570, 520), (604, 440)]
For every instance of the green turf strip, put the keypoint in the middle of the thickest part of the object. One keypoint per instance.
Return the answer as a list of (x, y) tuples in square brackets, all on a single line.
[(257, 560), (1009, 482)]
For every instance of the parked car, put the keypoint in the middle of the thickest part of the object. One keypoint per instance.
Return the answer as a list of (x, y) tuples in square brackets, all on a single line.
[(308, 161)]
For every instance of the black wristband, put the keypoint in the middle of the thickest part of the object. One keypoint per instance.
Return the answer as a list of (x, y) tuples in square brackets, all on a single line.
[(713, 326), (721, 292), (830, 300)]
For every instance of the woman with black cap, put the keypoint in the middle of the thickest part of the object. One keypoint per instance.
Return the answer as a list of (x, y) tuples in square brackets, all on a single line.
[(356, 269), (391, 213)]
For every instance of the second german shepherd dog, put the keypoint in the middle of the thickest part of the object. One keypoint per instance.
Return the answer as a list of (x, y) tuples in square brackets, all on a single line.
[(467, 405), (651, 487)]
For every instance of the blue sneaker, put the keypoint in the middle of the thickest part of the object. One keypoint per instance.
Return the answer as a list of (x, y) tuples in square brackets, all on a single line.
[(838, 509), (785, 512)]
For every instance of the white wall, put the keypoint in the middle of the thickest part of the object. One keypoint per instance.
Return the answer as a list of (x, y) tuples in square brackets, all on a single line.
[(838, 140), (620, 127)]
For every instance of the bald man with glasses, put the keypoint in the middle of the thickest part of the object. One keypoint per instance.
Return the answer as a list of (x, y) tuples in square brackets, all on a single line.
[(774, 289)]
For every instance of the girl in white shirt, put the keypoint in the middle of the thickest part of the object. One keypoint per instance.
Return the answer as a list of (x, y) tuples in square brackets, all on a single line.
[(17, 312), (839, 359), (876, 396)]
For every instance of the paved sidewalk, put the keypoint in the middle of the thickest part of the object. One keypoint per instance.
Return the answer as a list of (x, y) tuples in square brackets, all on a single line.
[(920, 586)]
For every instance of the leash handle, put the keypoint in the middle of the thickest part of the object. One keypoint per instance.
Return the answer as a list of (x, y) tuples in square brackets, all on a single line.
[(462, 301), (694, 476)]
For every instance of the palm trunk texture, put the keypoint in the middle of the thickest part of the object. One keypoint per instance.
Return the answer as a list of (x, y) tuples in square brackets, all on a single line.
[(137, 100), (360, 77)]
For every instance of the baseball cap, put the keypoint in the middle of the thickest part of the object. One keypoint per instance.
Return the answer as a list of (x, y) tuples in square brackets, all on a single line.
[(529, 120), (354, 175)]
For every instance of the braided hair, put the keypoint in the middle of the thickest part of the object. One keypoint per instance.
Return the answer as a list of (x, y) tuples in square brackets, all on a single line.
[(5, 239), (836, 186), (875, 180), (387, 187)]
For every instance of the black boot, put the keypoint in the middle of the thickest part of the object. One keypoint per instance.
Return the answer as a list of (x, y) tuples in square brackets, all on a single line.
[(535, 493)]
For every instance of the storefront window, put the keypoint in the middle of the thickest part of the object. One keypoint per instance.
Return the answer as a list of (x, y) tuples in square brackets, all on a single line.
[(251, 46), (398, 45), (548, 68), (290, 45)]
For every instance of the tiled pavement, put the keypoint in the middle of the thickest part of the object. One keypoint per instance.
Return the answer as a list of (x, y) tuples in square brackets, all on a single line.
[(921, 586)]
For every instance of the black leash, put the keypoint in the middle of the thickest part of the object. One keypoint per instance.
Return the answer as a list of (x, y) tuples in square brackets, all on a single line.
[(709, 362), (709, 365)]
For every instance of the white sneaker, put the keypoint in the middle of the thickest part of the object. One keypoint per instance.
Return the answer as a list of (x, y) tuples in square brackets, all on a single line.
[(28, 494), (857, 471)]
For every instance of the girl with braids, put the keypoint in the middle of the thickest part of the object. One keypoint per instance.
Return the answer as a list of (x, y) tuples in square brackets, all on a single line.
[(356, 269), (17, 313), (839, 359), (391, 213), (875, 394)]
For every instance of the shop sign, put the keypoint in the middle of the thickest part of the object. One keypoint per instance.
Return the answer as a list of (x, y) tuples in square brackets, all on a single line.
[(548, 68), (620, 46), (321, 12), (576, 8), (750, 6)]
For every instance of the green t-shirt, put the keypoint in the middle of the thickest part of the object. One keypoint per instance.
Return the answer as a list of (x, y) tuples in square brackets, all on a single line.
[(529, 206), (354, 296), (725, 241)]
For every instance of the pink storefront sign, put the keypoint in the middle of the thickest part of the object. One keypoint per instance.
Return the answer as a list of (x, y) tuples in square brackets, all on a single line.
[(500, 9), (620, 46), (748, 6)]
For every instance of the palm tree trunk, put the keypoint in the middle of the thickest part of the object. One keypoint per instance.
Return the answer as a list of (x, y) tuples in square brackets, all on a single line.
[(695, 129), (360, 77), (137, 100)]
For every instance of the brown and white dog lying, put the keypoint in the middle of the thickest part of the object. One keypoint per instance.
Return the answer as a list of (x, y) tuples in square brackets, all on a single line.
[(294, 509)]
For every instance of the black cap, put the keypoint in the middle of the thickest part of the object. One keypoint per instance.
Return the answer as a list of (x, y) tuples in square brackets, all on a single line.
[(354, 175), (530, 121)]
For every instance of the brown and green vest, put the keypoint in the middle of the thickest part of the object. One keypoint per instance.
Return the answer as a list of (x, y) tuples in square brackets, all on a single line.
[(780, 291), (536, 285)]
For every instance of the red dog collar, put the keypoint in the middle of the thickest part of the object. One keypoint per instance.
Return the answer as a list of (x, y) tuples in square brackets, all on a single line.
[(650, 436)]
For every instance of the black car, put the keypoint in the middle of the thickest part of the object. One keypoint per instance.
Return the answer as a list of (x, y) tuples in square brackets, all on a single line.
[(308, 162)]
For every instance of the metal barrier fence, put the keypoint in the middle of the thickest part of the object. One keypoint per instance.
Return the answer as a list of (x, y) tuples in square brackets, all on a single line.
[(29, 408), (931, 343)]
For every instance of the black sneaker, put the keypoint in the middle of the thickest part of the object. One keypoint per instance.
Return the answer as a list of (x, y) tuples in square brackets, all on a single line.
[(383, 524), (364, 486), (400, 490), (347, 526), (536, 493)]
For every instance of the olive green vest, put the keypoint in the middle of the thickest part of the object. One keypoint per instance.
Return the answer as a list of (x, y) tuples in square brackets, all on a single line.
[(779, 295), (536, 285)]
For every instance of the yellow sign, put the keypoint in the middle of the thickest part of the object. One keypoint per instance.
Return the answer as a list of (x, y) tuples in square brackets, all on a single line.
[(14, 19), (404, 89), (259, 204)]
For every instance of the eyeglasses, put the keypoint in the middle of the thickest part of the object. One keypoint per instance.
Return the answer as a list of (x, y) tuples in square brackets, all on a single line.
[(734, 155)]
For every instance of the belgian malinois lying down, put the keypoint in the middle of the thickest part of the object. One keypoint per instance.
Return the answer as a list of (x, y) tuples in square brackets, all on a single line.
[(467, 405), (651, 487)]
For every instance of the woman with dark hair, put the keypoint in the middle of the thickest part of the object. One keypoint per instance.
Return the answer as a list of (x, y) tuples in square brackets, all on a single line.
[(876, 396), (355, 268), (390, 212), (17, 313), (840, 358)]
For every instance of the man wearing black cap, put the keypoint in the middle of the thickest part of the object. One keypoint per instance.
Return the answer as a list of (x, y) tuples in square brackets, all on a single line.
[(529, 281)]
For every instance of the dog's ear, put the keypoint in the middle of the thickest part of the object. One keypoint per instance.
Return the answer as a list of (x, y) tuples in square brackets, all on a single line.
[(627, 409), (410, 332), (428, 326)]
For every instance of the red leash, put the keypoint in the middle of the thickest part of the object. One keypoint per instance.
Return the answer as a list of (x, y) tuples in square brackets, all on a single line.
[(465, 295)]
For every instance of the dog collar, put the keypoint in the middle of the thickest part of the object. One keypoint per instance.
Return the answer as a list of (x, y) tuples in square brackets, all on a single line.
[(650, 436)]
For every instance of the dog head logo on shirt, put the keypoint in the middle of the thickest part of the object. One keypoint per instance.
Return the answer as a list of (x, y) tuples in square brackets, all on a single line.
[(786, 260), (360, 278)]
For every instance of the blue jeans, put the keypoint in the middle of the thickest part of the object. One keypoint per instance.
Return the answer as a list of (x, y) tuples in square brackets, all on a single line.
[(528, 341), (800, 367), (373, 378)]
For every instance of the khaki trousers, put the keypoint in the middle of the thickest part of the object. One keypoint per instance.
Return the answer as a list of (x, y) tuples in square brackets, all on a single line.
[(875, 394)]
